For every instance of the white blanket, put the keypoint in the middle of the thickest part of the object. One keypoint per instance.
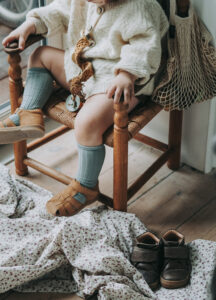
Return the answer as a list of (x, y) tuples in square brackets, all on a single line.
[(82, 253)]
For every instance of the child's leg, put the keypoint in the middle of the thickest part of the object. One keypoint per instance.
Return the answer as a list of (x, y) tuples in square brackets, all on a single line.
[(91, 122), (94, 119), (45, 64), (51, 59)]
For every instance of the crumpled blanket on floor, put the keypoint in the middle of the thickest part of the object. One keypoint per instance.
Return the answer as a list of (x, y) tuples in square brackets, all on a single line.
[(85, 253)]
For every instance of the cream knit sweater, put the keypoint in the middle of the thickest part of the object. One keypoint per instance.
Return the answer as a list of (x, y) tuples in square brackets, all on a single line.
[(128, 37)]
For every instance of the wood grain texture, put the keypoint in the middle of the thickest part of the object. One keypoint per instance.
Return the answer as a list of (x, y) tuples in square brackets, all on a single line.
[(16, 90), (133, 189), (120, 156), (151, 142), (178, 202), (47, 138), (15, 80), (175, 137), (13, 48), (47, 170)]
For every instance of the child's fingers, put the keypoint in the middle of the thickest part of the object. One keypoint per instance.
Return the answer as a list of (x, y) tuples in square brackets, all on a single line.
[(127, 96), (118, 94), (8, 39), (111, 91), (132, 92), (21, 42)]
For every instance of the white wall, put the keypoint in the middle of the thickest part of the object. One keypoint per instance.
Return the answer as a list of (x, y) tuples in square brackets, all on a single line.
[(199, 123), (206, 10)]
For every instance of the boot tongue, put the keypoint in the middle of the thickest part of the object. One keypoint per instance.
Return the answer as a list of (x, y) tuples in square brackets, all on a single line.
[(147, 246), (173, 243)]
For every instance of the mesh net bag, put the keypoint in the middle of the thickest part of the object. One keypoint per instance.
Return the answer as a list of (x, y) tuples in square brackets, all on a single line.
[(189, 75)]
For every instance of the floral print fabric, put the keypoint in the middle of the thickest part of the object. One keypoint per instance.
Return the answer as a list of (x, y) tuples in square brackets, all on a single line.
[(84, 253)]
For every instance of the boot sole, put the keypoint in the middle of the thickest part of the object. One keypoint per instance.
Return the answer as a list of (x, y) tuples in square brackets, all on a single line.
[(154, 286), (170, 284), (9, 135)]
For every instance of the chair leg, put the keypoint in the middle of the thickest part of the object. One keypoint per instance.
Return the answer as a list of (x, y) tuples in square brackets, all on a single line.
[(20, 153), (120, 152), (175, 136), (16, 90)]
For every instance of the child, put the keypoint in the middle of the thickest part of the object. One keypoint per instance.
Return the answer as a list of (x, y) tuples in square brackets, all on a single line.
[(125, 53)]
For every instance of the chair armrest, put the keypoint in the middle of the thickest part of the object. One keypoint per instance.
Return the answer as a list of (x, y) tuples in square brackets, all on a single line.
[(120, 114), (13, 47)]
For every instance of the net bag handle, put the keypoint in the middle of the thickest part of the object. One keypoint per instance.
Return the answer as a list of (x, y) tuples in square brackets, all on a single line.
[(172, 11)]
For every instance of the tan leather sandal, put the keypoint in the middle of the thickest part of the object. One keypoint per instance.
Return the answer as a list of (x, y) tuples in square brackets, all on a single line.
[(31, 126), (64, 204)]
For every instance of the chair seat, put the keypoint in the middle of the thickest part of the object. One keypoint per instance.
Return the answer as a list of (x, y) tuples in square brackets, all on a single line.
[(138, 118)]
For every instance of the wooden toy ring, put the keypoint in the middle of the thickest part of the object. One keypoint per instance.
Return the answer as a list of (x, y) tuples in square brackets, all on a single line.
[(73, 104)]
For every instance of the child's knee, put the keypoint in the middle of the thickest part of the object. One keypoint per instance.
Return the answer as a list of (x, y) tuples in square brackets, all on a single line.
[(38, 56), (83, 125), (86, 127)]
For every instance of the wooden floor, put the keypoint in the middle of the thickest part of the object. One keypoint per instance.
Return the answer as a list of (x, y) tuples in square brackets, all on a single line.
[(184, 200)]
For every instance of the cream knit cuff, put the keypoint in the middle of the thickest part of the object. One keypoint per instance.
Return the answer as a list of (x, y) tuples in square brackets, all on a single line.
[(39, 25)]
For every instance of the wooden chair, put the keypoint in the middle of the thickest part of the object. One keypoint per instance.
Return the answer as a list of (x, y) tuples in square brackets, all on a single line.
[(117, 136)]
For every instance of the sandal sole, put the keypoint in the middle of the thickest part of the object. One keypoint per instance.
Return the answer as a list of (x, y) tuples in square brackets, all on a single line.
[(66, 204), (69, 215), (11, 135)]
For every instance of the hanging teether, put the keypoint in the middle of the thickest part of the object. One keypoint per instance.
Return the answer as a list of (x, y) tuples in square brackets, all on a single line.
[(77, 98), (73, 104)]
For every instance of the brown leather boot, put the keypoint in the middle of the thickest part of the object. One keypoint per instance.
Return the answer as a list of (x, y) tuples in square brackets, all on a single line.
[(177, 267), (146, 257), (31, 126)]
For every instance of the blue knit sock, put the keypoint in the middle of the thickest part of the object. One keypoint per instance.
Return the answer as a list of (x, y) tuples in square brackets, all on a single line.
[(90, 164), (38, 88), (15, 119)]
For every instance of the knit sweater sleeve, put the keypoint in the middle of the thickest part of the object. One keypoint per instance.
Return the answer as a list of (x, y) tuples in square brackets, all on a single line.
[(52, 18), (141, 53)]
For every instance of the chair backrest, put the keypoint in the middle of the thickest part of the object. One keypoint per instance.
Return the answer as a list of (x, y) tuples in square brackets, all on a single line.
[(165, 4), (182, 6)]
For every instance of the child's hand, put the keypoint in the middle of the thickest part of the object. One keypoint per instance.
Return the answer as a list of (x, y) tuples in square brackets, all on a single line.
[(20, 34), (122, 84)]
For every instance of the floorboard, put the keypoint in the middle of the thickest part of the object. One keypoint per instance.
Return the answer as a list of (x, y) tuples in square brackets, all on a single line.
[(176, 200)]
